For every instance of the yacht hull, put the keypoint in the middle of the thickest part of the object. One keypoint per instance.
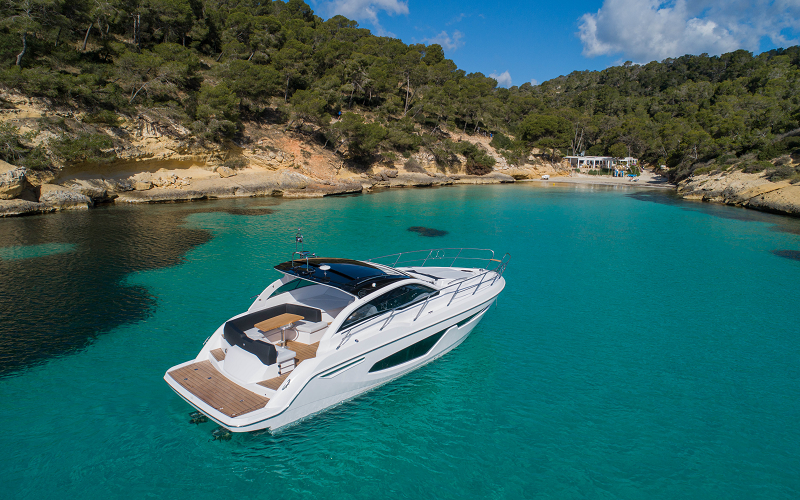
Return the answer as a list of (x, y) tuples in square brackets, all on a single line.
[(342, 365)]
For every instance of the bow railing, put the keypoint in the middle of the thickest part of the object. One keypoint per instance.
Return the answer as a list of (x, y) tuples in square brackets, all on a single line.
[(487, 279)]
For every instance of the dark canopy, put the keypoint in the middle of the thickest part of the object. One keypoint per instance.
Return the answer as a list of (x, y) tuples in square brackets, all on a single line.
[(352, 276)]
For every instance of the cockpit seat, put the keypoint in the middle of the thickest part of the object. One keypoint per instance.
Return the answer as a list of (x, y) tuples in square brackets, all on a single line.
[(234, 330), (309, 332)]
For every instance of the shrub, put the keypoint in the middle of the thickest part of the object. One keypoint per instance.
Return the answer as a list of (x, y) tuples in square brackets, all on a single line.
[(235, 162), (501, 141), (781, 172), (478, 161), (104, 117), (95, 148), (755, 166), (14, 150), (702, 170), (413, 165)]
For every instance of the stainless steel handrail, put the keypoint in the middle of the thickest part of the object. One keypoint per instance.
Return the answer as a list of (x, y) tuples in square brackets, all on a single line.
[(498, 271), (440, 254)]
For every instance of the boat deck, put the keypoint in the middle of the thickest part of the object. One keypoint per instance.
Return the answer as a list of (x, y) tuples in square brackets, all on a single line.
[(304, 352), (205, 382), (216, 390)]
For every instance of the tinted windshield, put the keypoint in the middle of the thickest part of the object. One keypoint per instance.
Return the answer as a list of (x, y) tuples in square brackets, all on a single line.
[(400, 297), (292, 285)]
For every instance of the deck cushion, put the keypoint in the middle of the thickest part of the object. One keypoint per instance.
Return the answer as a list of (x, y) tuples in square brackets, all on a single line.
[(234, 329), (309, 327)]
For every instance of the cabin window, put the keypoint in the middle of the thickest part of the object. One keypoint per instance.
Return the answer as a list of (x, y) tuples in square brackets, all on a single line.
[(413, 351), (292, 285), (399, 298)]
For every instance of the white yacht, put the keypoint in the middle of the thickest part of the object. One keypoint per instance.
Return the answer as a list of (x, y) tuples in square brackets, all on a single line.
[(330, 329)]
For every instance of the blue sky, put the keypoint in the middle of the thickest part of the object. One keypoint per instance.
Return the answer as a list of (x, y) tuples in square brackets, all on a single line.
[(517, 42)]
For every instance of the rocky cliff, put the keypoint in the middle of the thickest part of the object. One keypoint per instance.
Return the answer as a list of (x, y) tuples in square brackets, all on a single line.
[(157, 160), (742, 189)]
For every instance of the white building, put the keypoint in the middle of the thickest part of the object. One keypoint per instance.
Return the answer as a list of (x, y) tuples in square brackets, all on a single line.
[(592, 162)]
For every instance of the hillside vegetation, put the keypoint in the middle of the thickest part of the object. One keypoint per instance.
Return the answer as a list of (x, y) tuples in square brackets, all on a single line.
[(212, 66)]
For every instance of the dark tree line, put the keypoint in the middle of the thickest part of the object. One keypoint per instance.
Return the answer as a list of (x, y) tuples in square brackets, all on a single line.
[(211, 65)]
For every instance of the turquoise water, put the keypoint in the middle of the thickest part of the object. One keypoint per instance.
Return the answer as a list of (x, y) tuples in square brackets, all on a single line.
[(33, 251), (645, 347)]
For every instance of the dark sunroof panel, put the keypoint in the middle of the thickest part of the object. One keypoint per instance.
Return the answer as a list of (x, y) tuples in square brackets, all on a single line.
[(353, 276)]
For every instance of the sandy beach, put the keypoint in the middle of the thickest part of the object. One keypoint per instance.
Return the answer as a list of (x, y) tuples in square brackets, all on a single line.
[(647, 179)]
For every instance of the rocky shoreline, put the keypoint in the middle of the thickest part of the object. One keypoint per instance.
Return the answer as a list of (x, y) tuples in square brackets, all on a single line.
[(156, 162), (743, 190), (20, 197)]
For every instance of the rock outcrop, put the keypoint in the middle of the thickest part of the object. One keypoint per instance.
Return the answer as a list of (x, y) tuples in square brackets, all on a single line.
[(741, 189), (12, 180), (10, 208), (63, 198)]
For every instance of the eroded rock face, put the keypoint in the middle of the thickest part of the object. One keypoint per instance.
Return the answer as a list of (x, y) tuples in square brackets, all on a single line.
[(741, 189), (63, 198), (98, 190), (784, 200), (160, 195), (11, 208), (490, 178), (12, 180)]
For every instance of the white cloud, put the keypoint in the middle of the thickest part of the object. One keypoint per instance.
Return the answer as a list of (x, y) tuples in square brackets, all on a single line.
[(446, 41), (534, 82), (364, 10), (457, 19), (503, 79), (646, 30)]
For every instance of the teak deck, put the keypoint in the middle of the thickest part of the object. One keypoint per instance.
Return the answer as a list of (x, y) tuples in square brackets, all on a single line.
[(205, 382), (304, 352)]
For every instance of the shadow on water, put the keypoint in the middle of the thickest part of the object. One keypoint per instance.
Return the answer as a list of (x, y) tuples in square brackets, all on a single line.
[(782, 223), (427, 231), (58, 303), (788, 254)]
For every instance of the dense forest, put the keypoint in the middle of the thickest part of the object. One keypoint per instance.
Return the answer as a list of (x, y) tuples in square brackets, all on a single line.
[(213, 66)]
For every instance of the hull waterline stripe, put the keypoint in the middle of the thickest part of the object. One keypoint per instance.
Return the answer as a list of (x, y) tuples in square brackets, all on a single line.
[(360, 354)]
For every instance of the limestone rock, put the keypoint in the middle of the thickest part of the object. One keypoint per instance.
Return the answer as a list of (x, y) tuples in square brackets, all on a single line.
[(225, 172), (12, 180), (160, 196), (490, 178), (99, 190), (142, 185), (10, 208), (741, 189), (62, 198), (784, 200)]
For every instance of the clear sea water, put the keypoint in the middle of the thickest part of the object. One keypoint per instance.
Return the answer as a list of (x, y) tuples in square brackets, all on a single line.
[(645, 347)]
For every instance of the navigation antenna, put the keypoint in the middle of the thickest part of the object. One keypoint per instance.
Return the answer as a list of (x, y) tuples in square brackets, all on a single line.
[(300, 250)]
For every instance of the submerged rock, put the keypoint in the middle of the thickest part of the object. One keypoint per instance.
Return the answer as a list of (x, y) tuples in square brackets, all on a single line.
[(427, 231), (788, 254)]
